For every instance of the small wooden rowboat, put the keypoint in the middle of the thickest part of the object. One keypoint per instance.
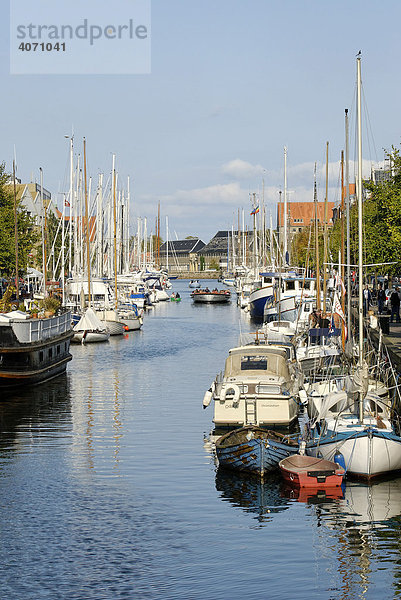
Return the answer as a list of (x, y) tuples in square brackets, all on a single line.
[(254, 449), (310, 472)]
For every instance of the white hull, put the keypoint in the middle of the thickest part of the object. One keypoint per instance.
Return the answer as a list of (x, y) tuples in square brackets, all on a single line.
[(133, 324), (261, 411), (367, 456), (90, 337), (115, 327)]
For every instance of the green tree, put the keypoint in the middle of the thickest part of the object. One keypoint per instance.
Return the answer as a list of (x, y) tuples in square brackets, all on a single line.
[(27, 234), (381, 222)]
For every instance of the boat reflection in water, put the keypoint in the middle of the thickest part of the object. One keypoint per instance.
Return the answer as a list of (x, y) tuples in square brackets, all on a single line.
[(38, 408), (261, 497), (366, 526)]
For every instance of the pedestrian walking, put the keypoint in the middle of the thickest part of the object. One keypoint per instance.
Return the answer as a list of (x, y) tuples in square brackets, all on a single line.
[(395, 305), (381, 298)]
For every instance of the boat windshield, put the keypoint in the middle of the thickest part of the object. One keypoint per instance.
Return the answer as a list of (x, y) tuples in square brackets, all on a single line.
[(253, 363)]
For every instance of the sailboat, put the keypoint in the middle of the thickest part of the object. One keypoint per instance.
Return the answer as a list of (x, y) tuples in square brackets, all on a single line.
[(90, 329), (355, 427)]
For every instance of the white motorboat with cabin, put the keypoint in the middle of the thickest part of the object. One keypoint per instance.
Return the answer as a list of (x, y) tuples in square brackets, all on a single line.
[(258, 387)]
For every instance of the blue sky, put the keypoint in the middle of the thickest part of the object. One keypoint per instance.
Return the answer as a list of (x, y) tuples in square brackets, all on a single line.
[(232, 82)]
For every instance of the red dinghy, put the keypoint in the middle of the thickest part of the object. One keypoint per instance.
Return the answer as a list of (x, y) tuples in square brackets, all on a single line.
[(311, 472)]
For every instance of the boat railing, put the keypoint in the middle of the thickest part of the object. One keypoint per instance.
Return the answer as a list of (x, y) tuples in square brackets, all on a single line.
[(34, 330)]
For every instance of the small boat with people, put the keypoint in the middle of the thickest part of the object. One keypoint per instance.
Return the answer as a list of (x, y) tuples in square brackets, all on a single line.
[(254, 450), (175, 297), (300, 470), (210, 296)]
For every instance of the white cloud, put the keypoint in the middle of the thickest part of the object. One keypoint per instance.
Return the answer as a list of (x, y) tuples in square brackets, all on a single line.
[(241, 169)]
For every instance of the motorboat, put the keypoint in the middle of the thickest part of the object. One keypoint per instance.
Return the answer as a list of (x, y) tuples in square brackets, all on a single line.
[(207, 296), (131, 317), (279, 330), (259, 387), (319, 350), (262, 292), (194, 283)]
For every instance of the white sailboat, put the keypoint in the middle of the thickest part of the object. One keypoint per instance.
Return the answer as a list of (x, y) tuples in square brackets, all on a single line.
[(353, 426), (90, 329)]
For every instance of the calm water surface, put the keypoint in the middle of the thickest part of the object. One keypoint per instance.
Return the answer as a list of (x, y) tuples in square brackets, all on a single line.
[(109, 489)]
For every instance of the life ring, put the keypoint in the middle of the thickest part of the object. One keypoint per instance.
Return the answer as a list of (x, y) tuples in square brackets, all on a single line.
[(227, 388)]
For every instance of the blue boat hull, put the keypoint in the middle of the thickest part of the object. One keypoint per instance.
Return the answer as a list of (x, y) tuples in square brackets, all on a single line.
[(253, 450)]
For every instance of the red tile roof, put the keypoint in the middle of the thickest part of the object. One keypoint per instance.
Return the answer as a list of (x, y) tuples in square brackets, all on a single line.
[(304, 211)]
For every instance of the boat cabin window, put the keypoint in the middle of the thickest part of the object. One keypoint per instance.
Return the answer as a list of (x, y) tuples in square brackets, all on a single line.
[(58, 349), (290, 285), (50, 352), (41, 356), (253, 363), (306, 307), (307, 285)]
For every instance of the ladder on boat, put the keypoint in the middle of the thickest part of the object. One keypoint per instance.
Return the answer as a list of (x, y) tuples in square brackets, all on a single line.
[(250, 412)]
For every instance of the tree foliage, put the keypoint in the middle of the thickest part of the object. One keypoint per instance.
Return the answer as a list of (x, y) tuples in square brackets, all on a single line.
[(27, 235), (381, 226)]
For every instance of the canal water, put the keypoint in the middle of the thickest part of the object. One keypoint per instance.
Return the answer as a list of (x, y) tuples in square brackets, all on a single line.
[(109, 488)]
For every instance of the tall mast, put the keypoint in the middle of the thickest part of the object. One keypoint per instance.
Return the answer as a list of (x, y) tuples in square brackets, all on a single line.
[(360, 223), (341, 268), (71, 206), (325, 230), (16, 236), (360, 249), (44, 248), (88, 256), (348, 224), (285, 205), (167, 244), (99, 227), (255, 268), (317, 246), (127, 217), (115, 230)]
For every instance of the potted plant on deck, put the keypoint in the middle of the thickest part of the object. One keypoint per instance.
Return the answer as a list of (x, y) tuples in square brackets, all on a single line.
[(49, 305)]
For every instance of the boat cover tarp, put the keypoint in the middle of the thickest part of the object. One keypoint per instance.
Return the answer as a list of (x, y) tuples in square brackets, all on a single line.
[(89, 322)]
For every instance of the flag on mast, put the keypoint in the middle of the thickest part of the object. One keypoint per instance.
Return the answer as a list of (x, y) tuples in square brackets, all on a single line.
[(255, 210), (339, 311)]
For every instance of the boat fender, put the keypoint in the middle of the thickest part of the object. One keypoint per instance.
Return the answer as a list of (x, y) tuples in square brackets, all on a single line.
[(232, 388), (207, 398), (339, 459), (303, 397)]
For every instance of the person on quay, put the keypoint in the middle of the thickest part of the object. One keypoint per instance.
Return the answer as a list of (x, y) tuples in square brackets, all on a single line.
[(367, 300), (395, 305), (381, 298)]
